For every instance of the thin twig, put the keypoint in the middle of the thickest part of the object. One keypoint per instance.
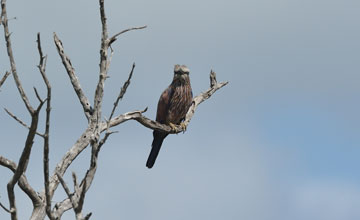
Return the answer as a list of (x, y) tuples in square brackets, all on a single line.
[(39, 49), (114, 38), (80, 203), (214, 86), (122, 92), (37, 95), (103, 140), (87, 217), (77, 204), (42, 69), (120, 96), (21, 122), (66, 188), (6, 209), (11, 58), (76, 185), (4, 78)]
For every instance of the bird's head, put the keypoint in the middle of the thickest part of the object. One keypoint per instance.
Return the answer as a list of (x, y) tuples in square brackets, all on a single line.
[(181, 73)]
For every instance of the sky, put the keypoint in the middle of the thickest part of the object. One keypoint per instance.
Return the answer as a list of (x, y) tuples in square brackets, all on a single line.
[(281, 141)]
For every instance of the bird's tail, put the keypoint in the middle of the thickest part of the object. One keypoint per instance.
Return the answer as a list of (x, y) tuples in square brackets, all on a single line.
[(156, 145)]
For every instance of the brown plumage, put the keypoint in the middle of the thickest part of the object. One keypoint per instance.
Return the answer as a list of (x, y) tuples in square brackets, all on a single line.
[(172, 107)]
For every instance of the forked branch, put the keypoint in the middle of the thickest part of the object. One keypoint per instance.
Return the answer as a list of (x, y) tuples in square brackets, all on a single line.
[(23, 183), (90, 137), (24, 158)]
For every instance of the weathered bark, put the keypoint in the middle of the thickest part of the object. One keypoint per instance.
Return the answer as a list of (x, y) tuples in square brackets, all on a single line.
[(92, 135)]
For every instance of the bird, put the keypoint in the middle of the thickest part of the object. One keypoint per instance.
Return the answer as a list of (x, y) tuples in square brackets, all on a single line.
[(172, 107)]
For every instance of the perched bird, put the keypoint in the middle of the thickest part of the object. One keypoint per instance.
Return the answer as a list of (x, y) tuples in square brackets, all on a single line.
[(172, 107)]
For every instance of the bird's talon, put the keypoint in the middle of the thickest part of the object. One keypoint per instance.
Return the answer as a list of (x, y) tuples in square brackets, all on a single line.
[(183, 126), (173, 127)]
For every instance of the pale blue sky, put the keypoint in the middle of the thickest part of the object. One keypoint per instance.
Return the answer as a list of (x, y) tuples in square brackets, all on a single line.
[(280, 142)]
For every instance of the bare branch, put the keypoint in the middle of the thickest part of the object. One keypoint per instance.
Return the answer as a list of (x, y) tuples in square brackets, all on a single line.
[(214, 86), (24, 158), (69, 157), (89, 176), (102, 141), (66, 188), (103, 21), (21, 122), (123, 118), (91, 135), (74, 80), (137, 115), (38, 96), (80, 203), (6, 209), (104, 65), (39, 49), (77, 204), (4, 78), (23, 162), (122, 92), (11, 58), (87, 217), (76, 185), (67, 204), (42, 65), (42, 69), (23, 183), (61, 207), (114, 38), (19, 170)]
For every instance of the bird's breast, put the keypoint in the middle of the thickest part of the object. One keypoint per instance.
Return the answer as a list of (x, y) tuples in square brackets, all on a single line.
[(179, 103)]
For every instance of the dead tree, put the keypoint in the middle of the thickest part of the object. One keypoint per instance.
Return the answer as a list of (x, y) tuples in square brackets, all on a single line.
[(94, 135)]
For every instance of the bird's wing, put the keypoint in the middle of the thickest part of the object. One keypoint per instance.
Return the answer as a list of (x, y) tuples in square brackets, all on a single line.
[(163, 105)]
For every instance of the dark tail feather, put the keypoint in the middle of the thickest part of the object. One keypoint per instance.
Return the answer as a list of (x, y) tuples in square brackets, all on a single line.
[(156, 145)]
